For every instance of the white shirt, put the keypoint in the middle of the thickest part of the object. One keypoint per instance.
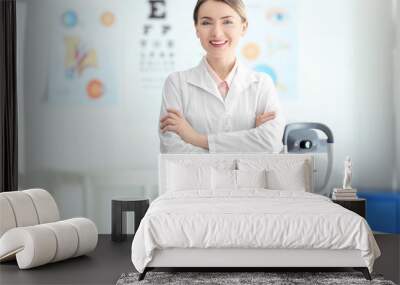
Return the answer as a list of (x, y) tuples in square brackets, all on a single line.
[(230, 123)]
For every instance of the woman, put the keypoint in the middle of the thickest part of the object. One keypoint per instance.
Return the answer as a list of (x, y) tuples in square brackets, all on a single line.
[(220, 105)]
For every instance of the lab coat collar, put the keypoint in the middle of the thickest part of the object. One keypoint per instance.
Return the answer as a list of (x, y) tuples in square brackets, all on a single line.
[(200, 77), (215, 76)]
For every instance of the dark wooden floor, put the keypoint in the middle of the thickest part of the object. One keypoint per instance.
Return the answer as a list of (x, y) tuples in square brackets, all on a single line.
[(103, 266), (110, 260)]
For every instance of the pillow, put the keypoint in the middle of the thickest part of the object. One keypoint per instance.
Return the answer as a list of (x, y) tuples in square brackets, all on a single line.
[(283, 173), (288, 178), (251, 178), (184, 177), (224, 179)]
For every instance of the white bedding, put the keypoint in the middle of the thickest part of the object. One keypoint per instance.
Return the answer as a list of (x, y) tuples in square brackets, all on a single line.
[(251, 218)]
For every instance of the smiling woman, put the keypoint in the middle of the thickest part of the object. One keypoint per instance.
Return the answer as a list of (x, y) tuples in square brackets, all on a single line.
[(220, 105)]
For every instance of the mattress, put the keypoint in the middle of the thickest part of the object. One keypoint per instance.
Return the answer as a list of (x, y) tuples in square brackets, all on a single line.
[(252, 219)]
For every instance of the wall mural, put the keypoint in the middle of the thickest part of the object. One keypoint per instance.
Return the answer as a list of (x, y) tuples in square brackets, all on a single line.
[(86, 47)]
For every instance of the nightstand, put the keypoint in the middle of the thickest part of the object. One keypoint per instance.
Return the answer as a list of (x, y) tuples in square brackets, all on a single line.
[(119, 207), (357, 205)]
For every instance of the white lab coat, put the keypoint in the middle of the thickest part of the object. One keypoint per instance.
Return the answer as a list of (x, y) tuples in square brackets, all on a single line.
[(230, 123)]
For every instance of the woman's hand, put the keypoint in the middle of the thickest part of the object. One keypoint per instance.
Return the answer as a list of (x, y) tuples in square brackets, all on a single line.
[(173, 121), (264, 117)]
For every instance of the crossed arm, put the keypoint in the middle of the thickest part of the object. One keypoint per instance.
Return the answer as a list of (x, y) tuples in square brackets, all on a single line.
[(175, 122)]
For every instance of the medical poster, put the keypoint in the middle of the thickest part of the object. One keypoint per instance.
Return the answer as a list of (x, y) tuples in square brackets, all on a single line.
[(270, 44), (97, 44), (166, 42), (85, 53)]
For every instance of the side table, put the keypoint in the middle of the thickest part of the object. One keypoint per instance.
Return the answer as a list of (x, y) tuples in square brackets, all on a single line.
[(356, 205), (119, 207)]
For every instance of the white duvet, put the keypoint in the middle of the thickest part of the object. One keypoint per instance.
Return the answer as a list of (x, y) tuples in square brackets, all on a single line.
[(252, 218)]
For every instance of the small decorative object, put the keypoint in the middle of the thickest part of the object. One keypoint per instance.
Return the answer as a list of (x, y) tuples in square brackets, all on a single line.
[(347, 173), (346, 192)]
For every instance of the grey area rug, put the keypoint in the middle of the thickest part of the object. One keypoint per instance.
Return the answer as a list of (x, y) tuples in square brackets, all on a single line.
[(273, 278)]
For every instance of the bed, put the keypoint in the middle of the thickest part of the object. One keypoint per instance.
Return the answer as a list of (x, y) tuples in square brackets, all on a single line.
[(245, 211)]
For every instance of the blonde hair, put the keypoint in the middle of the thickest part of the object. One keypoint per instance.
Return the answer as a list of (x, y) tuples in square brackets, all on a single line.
[(236, 5)]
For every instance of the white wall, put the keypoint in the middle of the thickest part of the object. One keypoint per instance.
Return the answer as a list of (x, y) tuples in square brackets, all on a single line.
[(345, 81)]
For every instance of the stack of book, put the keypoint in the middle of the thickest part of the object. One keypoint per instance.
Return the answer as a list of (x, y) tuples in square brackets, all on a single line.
[(344, 194)]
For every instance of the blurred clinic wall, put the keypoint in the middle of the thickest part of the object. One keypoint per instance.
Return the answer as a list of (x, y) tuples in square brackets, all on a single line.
[(96, 138)]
